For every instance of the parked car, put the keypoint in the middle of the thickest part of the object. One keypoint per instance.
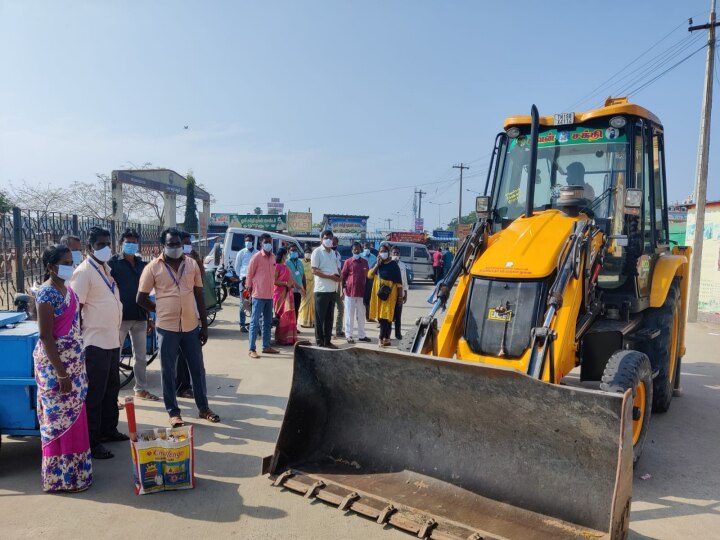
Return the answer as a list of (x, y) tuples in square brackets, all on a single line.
[(235, 241)]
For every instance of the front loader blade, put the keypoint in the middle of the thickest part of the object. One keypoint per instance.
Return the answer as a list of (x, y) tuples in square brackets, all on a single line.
[(448, 449)]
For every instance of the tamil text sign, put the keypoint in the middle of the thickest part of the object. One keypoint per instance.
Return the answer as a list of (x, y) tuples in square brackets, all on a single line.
[(299, 222)]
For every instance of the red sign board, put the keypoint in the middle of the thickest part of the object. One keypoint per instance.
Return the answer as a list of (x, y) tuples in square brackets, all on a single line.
[(407, 237)]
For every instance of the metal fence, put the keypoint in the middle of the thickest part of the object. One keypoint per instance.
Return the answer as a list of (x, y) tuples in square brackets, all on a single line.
[(24, 234)]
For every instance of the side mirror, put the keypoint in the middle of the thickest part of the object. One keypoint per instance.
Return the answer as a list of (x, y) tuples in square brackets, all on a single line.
[(633, 201), (482, 207)]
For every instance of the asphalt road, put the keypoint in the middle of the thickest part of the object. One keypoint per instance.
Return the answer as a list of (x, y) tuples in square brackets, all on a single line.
[(679, 499)]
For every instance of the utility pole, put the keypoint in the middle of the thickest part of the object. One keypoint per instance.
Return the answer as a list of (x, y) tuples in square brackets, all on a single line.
[(389, 220), (702, 167), (419, 193), (462, 167)]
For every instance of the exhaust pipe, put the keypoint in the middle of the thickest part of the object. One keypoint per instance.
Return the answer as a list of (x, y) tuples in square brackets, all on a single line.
[(532, 171)]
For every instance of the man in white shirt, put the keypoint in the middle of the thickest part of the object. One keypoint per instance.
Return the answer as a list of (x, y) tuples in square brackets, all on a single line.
[(327, 277), (395, 254), (242, 260)]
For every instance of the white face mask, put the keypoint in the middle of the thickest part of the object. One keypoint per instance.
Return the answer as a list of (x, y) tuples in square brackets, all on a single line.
[(384, 255), (396, 257), (103, 255), (64, 272), (267, 248), (307, 256), (187, 249), (366, 252), (173, 253), (327, 242)]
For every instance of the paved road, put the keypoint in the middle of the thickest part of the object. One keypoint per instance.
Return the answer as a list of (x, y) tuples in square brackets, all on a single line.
[(680, 500)]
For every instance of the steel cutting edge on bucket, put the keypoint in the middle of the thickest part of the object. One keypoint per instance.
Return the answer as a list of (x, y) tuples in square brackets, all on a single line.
[(446, 449)]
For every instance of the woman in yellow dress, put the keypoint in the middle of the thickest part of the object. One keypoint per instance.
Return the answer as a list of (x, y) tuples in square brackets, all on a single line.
[(386, 293), (306, 315)]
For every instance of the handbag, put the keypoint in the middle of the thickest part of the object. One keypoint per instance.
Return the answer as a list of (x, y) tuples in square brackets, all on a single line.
[(384, 292)]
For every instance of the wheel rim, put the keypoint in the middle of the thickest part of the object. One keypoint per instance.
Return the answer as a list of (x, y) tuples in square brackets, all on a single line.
[(673, 346), (638, 405)]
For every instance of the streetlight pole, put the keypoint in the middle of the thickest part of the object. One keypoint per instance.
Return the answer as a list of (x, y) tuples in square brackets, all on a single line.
[(462, 167), (438, 207)]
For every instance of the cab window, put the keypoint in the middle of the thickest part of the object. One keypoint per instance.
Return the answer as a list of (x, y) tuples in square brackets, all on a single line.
[(659, 195)]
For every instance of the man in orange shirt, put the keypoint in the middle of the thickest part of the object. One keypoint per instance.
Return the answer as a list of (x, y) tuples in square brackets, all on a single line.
[(178, 304)]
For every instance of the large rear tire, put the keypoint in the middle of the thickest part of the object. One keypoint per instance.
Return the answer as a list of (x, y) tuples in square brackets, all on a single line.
[(663, 351), (631, 370)]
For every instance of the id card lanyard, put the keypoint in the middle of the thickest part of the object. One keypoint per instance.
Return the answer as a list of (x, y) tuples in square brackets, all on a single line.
[(110, 286)]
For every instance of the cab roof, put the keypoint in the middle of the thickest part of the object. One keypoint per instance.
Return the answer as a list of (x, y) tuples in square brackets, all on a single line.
[(612, 107)]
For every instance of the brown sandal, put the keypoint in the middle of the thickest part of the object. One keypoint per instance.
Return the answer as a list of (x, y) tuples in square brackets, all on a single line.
[(176, 422), (210, 416), (144, 394)]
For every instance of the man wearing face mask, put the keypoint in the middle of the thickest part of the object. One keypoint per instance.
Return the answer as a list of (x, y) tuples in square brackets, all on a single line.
[(327, 277), (260, 282), (371, 259), (75, 246), (178, 303), (101, 313), (354, 278), (126, 268), (190, 251), (242, 261)]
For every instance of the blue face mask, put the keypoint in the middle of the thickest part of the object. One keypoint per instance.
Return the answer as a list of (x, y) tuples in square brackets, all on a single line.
[(293, 254), (356, 256), (249, 245), (130, 248), (77, 257)]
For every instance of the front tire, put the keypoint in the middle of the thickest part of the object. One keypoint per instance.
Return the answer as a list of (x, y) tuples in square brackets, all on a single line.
[(631, 370)]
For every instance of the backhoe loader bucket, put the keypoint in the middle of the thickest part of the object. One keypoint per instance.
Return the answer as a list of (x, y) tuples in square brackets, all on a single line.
[(446, 449)]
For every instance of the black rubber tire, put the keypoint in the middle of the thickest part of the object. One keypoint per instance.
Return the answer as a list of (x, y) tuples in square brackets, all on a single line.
[(625, 370), (211, 317), (658, 349)]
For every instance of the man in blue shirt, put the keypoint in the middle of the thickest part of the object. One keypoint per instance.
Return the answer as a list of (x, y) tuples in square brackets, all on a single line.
[(372, 261), (242, 260), (447, 259)]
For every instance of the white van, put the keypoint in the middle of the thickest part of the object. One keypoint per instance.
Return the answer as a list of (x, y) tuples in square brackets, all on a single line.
[(416, 256), (235, 241)]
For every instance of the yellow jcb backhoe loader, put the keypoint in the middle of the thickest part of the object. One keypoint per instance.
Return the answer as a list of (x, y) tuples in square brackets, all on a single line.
[(479, 430)]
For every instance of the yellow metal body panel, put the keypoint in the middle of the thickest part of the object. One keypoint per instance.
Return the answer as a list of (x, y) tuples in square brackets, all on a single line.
[(614, 107), (527, 249)]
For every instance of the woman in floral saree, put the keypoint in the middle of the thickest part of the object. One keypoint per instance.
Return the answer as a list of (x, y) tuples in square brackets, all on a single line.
[(61, 379), (283, 301)]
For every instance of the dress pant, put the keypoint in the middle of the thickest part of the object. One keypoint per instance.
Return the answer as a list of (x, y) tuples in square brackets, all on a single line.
[(398, 320), (366, 298), (340, 318), (103, 370), (170, 344), (354, 313), (324, 311), (138, 338), (183, 381)]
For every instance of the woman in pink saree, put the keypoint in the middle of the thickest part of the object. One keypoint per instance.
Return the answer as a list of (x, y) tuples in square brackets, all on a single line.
[(283, 301), (61, 379)]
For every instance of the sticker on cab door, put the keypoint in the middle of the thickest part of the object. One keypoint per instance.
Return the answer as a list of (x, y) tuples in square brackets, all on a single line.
[(499, 315)]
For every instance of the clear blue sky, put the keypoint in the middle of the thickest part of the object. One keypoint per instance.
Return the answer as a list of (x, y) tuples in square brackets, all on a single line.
[(303, 100)]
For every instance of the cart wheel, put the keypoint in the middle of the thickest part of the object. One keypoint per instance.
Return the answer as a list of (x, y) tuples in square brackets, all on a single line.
[(126, 367), (211, 317)]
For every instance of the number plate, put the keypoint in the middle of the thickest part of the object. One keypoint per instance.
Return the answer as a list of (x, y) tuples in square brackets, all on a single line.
[(563, 119), (494, 315)]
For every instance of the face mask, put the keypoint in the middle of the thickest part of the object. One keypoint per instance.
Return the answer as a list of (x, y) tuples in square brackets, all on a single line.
[(187, 249), (356, 256), (173, 253), (366, 252), (307, 256), (267, 248), (77, 257), (130, 248), (384, 255), (293, 254), (103, 255), (327, 243), (64, 272), (396, 257), (249, 246)]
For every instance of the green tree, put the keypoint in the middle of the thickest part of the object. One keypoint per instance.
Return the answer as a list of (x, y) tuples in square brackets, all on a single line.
[(257, 210), (470, 218), (5, 203), (191, 219)]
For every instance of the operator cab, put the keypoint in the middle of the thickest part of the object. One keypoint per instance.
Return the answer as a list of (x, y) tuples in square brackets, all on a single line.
[(615, 153)]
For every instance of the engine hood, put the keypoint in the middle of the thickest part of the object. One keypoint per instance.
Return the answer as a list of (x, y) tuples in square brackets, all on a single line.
[(528, 248)]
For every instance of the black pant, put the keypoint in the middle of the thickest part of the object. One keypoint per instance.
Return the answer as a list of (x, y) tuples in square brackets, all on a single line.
[(324, 311), (366, 297), (438, 273), (182, 378), (385, 328), (398, 320), (103, 370), (298, 298)]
